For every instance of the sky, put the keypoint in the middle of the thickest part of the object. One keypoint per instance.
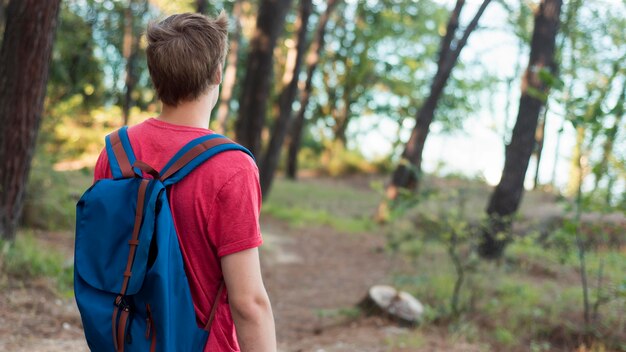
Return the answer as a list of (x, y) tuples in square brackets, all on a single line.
[(478, 150)]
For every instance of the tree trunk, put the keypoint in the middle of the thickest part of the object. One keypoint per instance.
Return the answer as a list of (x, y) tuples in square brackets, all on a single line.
[(287, 96), (539, 138), (202, 6), (313, 60), (3, 8), (130, 48), (389, 302), (507, 196), (24, 61), (343, 118), (406, 173), (230, 75), (256, 88)]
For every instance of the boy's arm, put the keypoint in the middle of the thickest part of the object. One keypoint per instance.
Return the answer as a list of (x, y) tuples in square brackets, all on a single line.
[(249, 303)]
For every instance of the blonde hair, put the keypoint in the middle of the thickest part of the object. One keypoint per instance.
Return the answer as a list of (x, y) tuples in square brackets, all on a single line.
[(185, 55)]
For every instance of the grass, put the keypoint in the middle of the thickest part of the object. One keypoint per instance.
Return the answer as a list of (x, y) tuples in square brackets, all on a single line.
[(308, 203), (513, 307), (51, 196), (26, 259), (49, 205), (529, 301)]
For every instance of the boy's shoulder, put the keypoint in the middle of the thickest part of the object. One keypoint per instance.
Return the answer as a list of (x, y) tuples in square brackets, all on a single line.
[(155, 142)]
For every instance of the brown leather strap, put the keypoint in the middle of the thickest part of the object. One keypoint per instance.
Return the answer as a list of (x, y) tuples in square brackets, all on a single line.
[(146, 168), (192, 153), (120, 155), (134, 242), (114, 325), (121, 330), (218, 296)]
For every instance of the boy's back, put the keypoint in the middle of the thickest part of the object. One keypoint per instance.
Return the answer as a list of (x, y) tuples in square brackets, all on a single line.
[(215, 210)]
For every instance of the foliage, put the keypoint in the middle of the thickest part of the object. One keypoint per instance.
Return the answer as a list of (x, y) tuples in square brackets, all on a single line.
[(341, 209), (25, 258), (51, 197), (448, 226), (525, 298)]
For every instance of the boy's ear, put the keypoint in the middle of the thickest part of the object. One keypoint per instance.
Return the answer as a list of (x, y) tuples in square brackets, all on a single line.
[(218, 76)]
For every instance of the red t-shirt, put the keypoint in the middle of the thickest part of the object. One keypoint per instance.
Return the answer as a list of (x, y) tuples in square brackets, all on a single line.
[(216, 213)]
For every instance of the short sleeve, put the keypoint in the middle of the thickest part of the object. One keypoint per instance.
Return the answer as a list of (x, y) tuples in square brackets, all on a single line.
[(234, 216), (102, 170)]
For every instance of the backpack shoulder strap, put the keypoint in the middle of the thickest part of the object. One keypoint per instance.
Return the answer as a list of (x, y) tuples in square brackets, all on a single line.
[(195, 153), (121, 155)]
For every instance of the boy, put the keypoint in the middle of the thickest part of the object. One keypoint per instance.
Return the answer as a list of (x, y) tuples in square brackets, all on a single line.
[(216, 207)]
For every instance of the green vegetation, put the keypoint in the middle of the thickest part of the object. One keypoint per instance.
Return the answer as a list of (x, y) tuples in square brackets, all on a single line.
[(307, 203), (51, 196), (530, 300), (26, 258)]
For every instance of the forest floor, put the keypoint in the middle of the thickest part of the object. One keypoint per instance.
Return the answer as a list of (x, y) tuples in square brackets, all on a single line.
[(316, 268), (314, 277)]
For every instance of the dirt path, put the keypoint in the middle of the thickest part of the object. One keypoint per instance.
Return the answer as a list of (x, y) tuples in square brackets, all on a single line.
[(314, 278)]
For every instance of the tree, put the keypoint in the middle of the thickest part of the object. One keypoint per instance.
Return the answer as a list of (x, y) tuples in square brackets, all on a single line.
[(406, 173), (230, 74), (539, 140), (313, 60), (569, 35), (507, 196), (601, 169), (130, 51), (256, 85), (24, 60), (286, 98), (3, 6), (202, 6), (591, 118)]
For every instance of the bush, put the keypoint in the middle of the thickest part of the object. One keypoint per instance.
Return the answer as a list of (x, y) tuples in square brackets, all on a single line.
[(51, 196)]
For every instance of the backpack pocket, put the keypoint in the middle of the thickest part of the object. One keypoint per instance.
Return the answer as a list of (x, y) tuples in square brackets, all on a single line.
[(104, 228)]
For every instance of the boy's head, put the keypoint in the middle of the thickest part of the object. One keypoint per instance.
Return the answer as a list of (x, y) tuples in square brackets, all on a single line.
[(185, 55)]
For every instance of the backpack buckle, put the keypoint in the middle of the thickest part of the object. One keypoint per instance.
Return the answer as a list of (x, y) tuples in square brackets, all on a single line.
[(121, 303)]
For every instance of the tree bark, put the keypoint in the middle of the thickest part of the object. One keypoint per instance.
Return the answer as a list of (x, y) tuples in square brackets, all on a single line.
[(389, 302), (130, 51), (313, 60), (256, 88), (230, 75), (506, 198), (24, 61), (343, 117), (539, 138), (3, 8), (286, 99), (406, 174)]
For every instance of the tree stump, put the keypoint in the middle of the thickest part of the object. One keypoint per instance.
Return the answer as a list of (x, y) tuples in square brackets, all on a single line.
[(399, 306)]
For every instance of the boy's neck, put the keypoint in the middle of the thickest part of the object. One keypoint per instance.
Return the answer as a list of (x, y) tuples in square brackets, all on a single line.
[(194, 113)]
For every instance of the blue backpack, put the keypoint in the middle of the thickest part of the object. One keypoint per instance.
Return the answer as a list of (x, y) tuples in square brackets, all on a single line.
[(129, 279)]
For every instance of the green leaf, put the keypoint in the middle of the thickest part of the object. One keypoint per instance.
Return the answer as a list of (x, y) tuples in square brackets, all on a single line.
[(537, 94), (550, 79)]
